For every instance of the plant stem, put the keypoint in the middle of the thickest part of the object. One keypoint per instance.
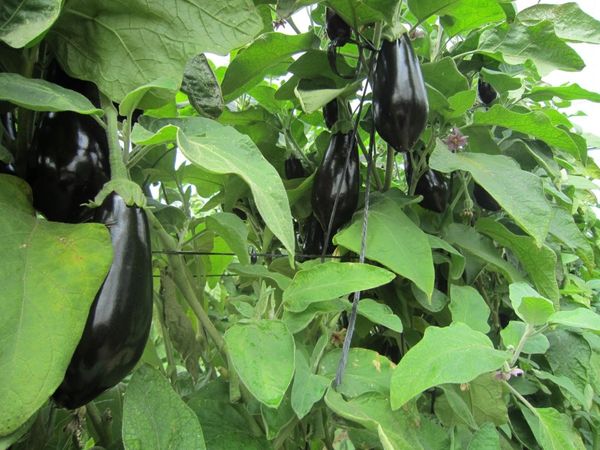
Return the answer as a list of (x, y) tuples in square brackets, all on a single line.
[(171, 365), (521, 398), (117, 166), (528, 330), (93, 413), (389, 168)]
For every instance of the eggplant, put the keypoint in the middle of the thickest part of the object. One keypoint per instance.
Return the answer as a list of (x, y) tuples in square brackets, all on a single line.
[(294, 168), (432, 186), (330, 174), (487, 94), (68, 160), (400, 102), (119, 321), (338, 31), (484, 199)]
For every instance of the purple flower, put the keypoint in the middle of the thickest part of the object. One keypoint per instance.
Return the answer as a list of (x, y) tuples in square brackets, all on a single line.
[(456, 140)]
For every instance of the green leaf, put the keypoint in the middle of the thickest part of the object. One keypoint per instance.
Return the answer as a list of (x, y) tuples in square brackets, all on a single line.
[(260, 271), (22, 21), (233, 230), (502, 82), (209, 145), (538, 261), (332, 280), (523, 199), (41, 95), (269, 50), (553, 430), (313, 100), (223, 426), (518, 43), (566, 384), (454, 354), (262, 354), (392, 240), (366, 371), (397, 430), (121, 50), (570, 355), (276, 419), (308, 388), (577, 318), (570, 22), (444, 76), (50, 275), (567, 92), (535, 123), (480, 246), (563, 228), (486, 438), (529, 305), (298, 321), (202, 87), (362, 12), (155, 417), (151, 95), (468, 306), (466, 15), (379, 313), (514, 331)]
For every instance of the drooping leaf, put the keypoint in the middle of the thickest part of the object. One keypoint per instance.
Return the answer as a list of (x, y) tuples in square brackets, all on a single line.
[(151, 95), (308, 388), (155, 417), (468, 306), (517, 43), (366, 371), (396, 429), (538, 261), (22, 21), (262, 354), (209, 145), (379, 313), (50, 274), (553, 430), (454, 354), (392, 240), (202, 88), (569, 21), (260, 271), (41, 95), (268, 50), (567, 92), (332, 280), (121, 50), (523, 199)]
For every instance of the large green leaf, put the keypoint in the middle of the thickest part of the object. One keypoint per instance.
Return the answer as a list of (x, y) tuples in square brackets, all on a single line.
[(577, 318), (468, 306), (233, 230), (41, 95), (262, 354), (223, 150), (155, 417), (308, 388), (569, 21), (332, 280), (553, 430), (523, 198), (363, 12), (366, 371), (563, 228), (535, 124), (379, 313), (518, 43), (458, 15), (444, 76), (480, 246), (529, 305), (269, 50), (454, 354), (567, 92), (538, 261), (50, 274), (121, 48), (22, 21), (392, 240)]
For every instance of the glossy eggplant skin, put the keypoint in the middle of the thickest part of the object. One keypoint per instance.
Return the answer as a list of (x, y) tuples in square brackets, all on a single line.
[(338, 31), (484, 199), (432, 186), (294, 168), (327, 178), (118, 325), (330, 113), (487, 94), (7, 120), (399, 96), (313, 238), (68, 160)]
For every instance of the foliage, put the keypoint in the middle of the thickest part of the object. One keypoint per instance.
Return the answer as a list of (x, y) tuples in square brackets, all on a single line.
[(477, 329)]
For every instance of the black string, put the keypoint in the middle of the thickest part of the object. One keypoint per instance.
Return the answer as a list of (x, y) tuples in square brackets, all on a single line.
[(267, 255)]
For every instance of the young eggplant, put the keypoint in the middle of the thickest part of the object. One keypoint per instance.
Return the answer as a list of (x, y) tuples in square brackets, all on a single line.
[(399, 96), (330, 176), (484, 199), (432, 186), (338, 31), (487, 94), (119, 321)]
